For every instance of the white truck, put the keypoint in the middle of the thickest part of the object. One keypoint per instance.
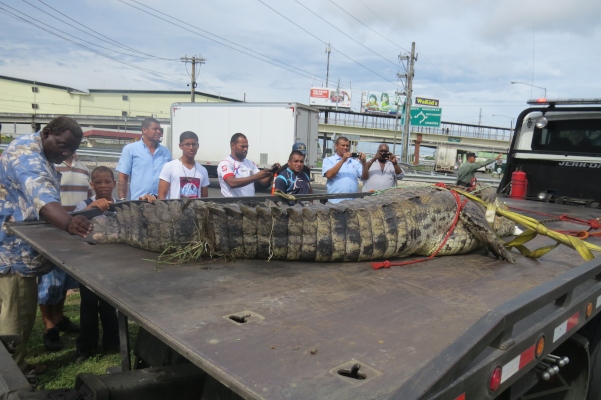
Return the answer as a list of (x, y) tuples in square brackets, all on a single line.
[(445, 159), (271, 129)]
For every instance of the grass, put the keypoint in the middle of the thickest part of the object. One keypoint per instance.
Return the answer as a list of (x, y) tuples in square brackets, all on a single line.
[(61, 365)]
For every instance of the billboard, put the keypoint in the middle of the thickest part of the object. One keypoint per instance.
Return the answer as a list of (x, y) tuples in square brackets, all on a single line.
[(326, 97), (421, 101), (383, 102)]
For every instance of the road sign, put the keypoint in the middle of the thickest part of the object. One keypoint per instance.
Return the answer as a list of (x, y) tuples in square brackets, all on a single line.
[(454, 140), (426, 116)]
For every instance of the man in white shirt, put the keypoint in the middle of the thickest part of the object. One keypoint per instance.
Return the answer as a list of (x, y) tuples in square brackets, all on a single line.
[(184, 177), (382, 171), (237, 174)]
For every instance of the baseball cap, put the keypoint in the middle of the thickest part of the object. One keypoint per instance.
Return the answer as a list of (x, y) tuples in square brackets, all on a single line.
[(300, 147)]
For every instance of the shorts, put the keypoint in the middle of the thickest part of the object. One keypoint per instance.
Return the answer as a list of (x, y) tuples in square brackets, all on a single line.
[(52, 286)]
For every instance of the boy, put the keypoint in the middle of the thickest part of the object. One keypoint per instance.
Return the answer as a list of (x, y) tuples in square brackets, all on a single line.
[(184, 177), (103, 183)]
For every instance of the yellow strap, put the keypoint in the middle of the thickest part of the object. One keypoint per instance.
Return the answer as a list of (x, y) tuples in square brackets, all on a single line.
[(278, 192), (534, 227)]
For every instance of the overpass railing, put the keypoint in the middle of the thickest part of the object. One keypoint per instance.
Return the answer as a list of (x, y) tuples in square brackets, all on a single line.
[(387, 122)]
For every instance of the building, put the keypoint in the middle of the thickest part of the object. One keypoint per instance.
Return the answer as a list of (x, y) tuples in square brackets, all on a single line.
[(22, 97)]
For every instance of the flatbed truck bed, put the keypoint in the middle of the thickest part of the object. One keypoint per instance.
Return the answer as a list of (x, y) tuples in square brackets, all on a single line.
[(416, 331)]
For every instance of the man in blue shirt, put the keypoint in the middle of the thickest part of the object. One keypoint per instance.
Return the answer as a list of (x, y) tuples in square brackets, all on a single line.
[(141, 163), (30, 190), (342, 171), (293, 180)]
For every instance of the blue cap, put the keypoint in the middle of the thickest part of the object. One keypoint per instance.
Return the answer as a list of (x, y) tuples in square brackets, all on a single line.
[(300, 147)]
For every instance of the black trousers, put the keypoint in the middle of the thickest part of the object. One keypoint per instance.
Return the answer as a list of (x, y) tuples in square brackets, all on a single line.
[(91, 307)]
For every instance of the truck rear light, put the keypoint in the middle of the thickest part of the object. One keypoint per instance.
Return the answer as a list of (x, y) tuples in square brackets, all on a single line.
[(541, 122), (540, 346), (495, 379)]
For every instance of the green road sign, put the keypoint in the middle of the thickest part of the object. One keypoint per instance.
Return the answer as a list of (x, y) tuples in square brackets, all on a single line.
[(424, 116), (455, 140)]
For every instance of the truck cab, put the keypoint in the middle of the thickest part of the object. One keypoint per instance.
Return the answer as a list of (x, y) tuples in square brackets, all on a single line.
[(557, 144)]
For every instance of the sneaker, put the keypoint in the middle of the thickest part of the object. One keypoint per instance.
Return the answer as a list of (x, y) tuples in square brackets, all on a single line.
[(82, 355), (35, 369), (52, 340), (31, 373), (67, 326)]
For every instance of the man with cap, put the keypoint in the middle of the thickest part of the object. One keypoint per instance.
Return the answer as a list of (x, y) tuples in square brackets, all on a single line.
[(466, 172), (293, 179), (301, 147)]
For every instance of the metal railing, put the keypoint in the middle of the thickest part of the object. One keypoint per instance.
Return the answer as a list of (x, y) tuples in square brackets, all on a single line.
[(387, 122)]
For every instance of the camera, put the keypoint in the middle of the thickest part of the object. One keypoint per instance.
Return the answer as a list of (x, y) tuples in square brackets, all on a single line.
[(385, 156), (274, 169), (354, 155)]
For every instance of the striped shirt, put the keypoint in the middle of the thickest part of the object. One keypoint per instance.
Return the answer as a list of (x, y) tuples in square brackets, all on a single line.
[(75, 183)]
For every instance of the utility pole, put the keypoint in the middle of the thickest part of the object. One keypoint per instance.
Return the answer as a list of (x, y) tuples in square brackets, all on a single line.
[(406, 133), (325, 135), (193, 60)]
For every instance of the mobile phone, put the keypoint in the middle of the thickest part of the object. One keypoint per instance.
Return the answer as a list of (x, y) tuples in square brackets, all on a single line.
[(274, 169), (354, 155)]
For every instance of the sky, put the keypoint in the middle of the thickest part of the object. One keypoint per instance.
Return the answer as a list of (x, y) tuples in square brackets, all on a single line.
[(468, 51)]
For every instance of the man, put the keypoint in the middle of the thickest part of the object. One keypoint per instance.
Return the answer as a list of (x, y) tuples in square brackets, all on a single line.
[(237, 174), (298, 146), (185, 177), (342, 170), (30, 190), (294, 180), (53, 286), (382, 174), (141, 163), (466, 172)]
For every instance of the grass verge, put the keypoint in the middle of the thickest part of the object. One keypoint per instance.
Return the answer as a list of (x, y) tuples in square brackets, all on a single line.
[(62, 368)]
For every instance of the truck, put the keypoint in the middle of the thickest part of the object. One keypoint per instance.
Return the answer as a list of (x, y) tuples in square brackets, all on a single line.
[(458, 327), (445, 158), (271, 128)]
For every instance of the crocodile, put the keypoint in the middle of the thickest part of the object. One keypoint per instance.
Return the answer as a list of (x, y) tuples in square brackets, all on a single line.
[(394, 223)]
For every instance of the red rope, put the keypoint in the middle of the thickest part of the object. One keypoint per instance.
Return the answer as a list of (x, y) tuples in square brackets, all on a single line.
[(388, 264)]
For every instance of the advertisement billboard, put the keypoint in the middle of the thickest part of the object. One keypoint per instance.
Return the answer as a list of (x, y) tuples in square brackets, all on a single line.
[(383, 102), (327, 97)]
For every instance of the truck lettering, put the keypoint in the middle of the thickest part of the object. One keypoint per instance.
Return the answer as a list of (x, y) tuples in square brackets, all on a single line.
[(579, 164)]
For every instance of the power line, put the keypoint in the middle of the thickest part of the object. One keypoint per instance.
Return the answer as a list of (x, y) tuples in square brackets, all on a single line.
[(306, 31), (368, 27), (303, 73), (188, 25), (106, 38), (345, 34), (79, 44)]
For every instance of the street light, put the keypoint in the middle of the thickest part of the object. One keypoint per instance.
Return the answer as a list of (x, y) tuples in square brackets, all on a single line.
[(510, 124), (527, 84)]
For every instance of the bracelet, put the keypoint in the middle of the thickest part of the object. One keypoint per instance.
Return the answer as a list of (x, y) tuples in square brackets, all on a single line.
[(67, 224), (122, 199)]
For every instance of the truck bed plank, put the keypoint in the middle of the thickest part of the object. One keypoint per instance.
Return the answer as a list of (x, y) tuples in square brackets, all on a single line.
[(317, 317)]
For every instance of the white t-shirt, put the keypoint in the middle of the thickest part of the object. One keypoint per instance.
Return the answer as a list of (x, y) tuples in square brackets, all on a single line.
[(184, 182), (238, 169)]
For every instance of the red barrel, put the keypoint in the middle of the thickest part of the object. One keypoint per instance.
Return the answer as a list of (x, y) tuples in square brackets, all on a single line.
[(519, 185)]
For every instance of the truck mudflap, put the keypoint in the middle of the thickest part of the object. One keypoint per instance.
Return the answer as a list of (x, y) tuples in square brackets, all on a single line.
[(510, 337)]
